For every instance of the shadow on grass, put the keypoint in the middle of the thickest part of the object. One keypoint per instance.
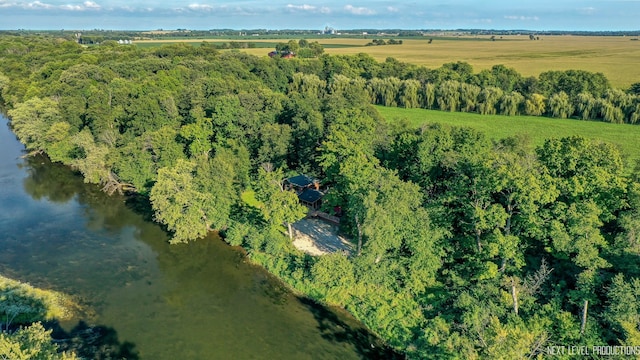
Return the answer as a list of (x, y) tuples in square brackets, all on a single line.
[(93, 342), (334, 329)]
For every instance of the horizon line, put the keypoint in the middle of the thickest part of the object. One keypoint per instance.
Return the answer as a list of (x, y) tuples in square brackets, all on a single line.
[(319, 30)]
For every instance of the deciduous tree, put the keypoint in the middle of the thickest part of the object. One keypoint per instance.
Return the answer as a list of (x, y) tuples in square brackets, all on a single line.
[(281, 206), (560, 105)]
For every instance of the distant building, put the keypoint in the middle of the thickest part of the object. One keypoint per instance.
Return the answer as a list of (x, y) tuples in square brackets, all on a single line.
[(285, 55), (329, 30)]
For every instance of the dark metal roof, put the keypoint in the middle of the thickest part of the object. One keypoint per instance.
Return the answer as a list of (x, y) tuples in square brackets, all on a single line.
[(310, 196), (300, 180)]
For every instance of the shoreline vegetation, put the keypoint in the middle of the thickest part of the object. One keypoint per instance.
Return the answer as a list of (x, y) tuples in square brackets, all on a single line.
[(22, 303), (467, 246), (23, 309), (30, 327)]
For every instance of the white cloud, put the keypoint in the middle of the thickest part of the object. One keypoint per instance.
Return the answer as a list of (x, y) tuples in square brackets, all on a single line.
[(522, 18), (38, 5), (392, 9), (587, 10), (301, 7), (309, 8), (206, 10), (359, 10), (87, 5), (91, 5), (4, 4), (200, 7)]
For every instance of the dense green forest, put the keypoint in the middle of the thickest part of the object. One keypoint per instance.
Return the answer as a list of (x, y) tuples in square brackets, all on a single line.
[(466, 247)]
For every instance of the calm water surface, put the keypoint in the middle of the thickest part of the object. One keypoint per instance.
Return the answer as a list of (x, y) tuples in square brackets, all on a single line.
[(192, 301)]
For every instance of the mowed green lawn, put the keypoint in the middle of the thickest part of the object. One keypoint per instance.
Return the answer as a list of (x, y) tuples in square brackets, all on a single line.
[(536, 129)]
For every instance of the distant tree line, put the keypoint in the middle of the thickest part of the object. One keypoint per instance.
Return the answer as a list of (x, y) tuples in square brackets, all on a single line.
[(379, 42), (235, 45), (297, 33), (301, 48), (500, 90), (560, 94)]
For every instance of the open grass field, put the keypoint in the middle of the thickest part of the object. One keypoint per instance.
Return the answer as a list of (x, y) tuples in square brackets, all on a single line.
[(536, 129), (615, 56)]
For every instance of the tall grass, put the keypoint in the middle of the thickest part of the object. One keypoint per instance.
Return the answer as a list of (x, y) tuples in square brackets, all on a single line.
[(22, 303)]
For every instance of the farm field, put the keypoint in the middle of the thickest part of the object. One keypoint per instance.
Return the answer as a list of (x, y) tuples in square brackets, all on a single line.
[(536, 129), (616, 57)]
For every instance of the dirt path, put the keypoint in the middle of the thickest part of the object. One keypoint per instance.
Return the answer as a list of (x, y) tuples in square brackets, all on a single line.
[(317, 237)]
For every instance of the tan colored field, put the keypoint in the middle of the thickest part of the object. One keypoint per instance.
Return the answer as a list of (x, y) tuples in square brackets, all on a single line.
[(617, 57)]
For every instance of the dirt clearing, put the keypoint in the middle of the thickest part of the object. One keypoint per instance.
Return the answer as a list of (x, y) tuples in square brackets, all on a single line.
[(317, 237)]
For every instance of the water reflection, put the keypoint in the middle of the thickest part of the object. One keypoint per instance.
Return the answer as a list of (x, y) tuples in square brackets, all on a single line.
[(46, 181), (191, 301), (93, 342)]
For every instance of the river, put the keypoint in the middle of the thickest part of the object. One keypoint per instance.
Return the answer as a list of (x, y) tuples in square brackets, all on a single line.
[(200, 300)]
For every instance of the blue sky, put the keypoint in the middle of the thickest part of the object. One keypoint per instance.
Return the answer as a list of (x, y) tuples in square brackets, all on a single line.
[(345, 14)]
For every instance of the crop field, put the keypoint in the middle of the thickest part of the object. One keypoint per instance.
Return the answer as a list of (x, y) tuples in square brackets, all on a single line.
[(615, 56), (535, 129)]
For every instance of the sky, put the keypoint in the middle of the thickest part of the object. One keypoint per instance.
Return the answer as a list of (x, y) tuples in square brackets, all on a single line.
[(539, 15)]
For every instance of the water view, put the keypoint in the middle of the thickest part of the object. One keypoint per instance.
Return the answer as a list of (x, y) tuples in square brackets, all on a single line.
[(193, 301)]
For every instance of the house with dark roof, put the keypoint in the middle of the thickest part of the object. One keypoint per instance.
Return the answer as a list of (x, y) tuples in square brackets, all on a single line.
[(311, 198), (300, 182), (307, 189)]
